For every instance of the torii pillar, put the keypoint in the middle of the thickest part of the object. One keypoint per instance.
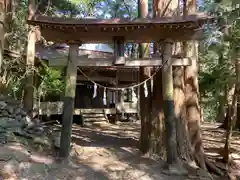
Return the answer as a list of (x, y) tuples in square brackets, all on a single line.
[(69, 99)]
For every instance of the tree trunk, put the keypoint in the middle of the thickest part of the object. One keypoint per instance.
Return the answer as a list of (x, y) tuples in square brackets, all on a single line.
[(229, 118), (221, 109), (232, 100), (192, 106), (193, 112), (237, 67), (229, 95), (157, 132), (8, 20), (223, 95), (145, 101), (183, 143), (158, 144), (167, 8), (145, 112), (2, 34)]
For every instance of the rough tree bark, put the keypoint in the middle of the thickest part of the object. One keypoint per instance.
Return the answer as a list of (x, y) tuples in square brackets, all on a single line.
[(168, 8), (173, 165), (157, 125), (237, 67), (145, 102), (232, 103), (2, 33), (229, 118), (183, 143), (160, 8), (193, 113), (8, 20), (223, 96), (221, 108), (192, 106), (229, 94)]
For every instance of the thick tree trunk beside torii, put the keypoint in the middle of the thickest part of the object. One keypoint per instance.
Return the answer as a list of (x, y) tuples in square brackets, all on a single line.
[(145, 102), (193, 111), (183, 141), (193, 108), (167, 8)]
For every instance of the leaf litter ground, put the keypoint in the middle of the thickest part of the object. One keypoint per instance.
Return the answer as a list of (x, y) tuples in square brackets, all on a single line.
[(102, 151)]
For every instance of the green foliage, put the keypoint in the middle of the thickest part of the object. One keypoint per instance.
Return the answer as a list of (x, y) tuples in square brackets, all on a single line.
[(12, 69), (52, 83), (58, 8), (217, 54), (17, 35), (117, 9)]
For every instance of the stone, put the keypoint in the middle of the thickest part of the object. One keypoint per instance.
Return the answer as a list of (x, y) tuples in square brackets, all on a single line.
[(42, 140), (21, 132), (24, 113), (27, 121), (10, 137), (6, 122), (10, 109), (18, 111), (2, 130), (3, 138), (9, 169), (2, 104), (4, 113), (18, 117)]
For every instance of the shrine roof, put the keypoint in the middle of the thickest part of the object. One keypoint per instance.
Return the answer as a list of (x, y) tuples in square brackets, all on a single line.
[(103, 30)]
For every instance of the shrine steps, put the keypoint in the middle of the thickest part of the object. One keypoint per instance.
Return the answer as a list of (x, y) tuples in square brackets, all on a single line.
[(93, 115)]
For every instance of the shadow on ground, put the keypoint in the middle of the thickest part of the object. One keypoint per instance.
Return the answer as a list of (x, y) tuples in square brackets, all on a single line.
[(114, 150), (100, 152)]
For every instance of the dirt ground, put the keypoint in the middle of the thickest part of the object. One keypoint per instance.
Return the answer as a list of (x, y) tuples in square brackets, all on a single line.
[(102, 152)]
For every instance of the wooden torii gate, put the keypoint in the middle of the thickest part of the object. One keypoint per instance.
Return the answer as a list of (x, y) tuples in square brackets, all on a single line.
[(78, 31)]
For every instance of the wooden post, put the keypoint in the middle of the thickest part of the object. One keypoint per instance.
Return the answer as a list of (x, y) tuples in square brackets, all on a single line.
[(128, 100), (118, 51), (2, 31), (108, 98), (68, 107), (28, 99), (121, 101), (168, 104), (117, 97)]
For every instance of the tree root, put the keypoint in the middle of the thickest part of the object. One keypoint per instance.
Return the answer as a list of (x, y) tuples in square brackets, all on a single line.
[(222, 126), (212, 168), (174, 169)]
